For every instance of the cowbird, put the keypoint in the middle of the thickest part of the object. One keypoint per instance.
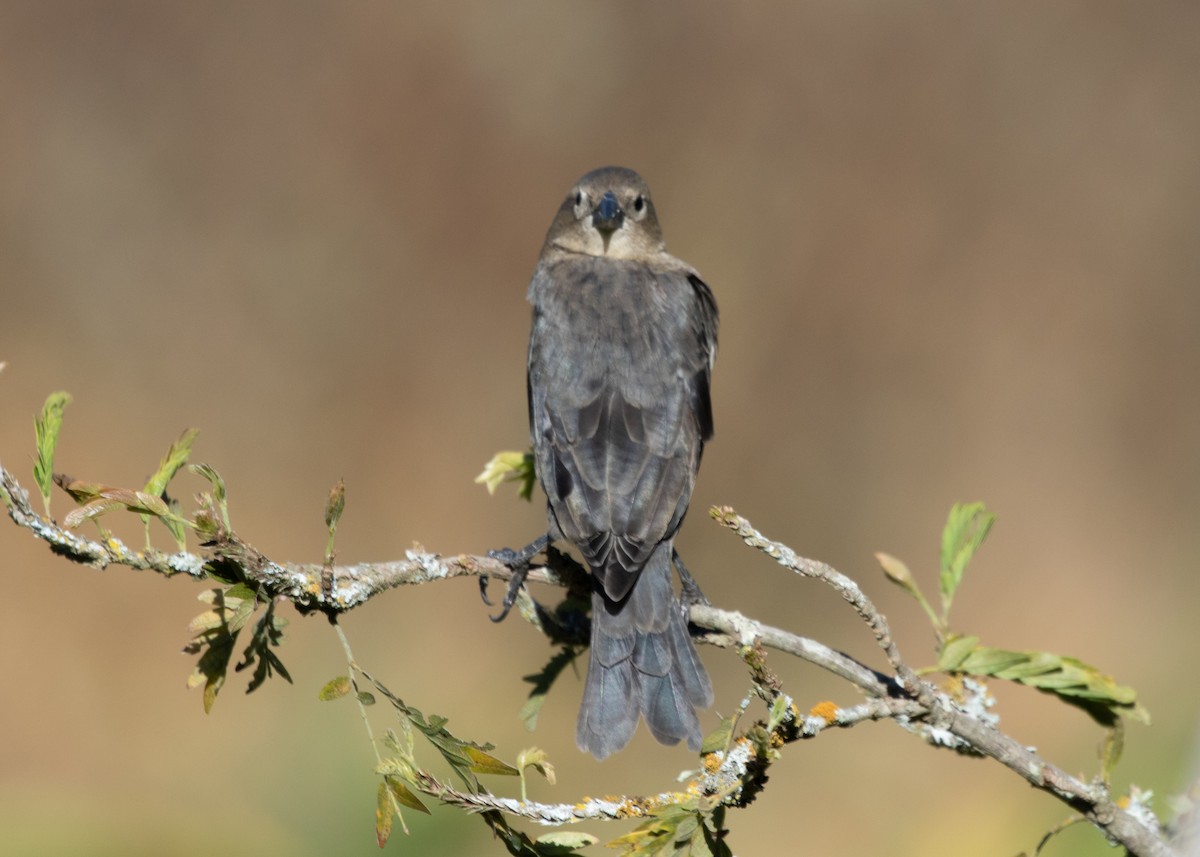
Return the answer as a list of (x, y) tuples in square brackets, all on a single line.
[(620, 357)]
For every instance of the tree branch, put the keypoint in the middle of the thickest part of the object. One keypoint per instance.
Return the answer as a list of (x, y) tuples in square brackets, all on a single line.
[(909, 700), (307, 585)]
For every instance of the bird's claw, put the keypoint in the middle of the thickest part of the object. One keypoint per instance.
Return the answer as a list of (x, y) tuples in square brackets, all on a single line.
[(518, 561), (510, 596), (483, 585), (507, 556)]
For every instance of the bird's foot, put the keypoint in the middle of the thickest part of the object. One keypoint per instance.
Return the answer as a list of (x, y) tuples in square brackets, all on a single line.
[(518, 561)]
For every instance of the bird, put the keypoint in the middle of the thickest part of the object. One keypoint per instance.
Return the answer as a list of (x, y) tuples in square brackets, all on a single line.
[(620, 360)]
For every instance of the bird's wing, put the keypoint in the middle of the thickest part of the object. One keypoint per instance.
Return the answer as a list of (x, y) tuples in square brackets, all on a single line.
[(619, 407)]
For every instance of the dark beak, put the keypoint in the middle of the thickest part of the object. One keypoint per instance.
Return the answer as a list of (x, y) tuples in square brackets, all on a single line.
[(608, 216)]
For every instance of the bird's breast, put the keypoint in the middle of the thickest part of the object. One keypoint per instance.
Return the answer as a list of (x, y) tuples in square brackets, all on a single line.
[(620, 313)]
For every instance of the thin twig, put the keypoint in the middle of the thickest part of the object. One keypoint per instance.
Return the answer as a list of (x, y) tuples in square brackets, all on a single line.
[(844, 586)]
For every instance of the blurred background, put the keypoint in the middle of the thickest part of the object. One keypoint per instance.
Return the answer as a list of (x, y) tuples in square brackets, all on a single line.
[(955, 250)]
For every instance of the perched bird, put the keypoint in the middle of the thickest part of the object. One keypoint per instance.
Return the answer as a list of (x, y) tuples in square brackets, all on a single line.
[(620, 356)]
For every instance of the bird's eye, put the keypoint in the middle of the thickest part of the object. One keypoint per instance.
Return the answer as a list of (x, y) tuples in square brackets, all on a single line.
[(639, 203), (579, 197)]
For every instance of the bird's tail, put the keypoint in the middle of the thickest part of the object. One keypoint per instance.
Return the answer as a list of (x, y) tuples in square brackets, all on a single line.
[(642, 661)]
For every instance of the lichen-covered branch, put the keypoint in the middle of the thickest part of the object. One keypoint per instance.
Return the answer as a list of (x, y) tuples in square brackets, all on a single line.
[(733, 772), (308, 585), (843, 585), (743, 631), (949, 722)]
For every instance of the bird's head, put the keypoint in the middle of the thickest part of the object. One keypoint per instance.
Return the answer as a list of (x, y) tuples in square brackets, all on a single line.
[(608, 213)]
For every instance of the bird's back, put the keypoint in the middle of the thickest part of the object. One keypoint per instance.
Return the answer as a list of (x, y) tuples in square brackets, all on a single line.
[(618, 388)]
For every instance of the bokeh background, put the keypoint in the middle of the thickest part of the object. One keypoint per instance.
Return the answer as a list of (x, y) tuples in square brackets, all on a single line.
[(955, 249)]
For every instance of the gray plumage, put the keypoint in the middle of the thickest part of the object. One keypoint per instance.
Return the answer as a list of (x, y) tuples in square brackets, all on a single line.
[(620, 356)]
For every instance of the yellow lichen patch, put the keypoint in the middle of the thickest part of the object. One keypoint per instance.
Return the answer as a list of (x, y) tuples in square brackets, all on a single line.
[(827, 711), (637, 807), (712, 762)]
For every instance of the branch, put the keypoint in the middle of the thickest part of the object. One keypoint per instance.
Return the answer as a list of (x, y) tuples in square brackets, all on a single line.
[(945, 716), (907, 699), (308, 585), (844, 586)]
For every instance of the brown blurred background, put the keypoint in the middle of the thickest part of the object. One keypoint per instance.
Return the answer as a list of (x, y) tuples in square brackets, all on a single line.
[(956, 255)]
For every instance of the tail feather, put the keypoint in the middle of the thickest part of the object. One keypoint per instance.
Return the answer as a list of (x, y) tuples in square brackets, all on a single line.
[(608, 714), (642, 662), (696, 686)]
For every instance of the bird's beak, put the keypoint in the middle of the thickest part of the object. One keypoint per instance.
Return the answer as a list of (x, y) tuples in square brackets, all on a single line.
[(607, 216)]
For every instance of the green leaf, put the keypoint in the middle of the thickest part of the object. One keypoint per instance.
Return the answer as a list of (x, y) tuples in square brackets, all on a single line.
[(542, 682), (402, 765), (404, 795), (383, 814), (216, 633), (1002, 663), (335, 689), (218, 486), (156, 485), (171, 463), (215, 647), (536, 758), (485, 763), (1111, 749), (714, 832), (240, 593), (392, 741), (46, 429), (1070, 679), (539, 760), (509, 466), (564, 842), (453, 750), (224, 570), (671, 830), (366, 698), (955, 651), (240, 602), (781, 710), (175, 523), (720, 737), (209, 620), (966, 528), (464, 757), (211, 688)]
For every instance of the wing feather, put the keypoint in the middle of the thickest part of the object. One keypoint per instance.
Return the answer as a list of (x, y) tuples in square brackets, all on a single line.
[(620, 361)]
